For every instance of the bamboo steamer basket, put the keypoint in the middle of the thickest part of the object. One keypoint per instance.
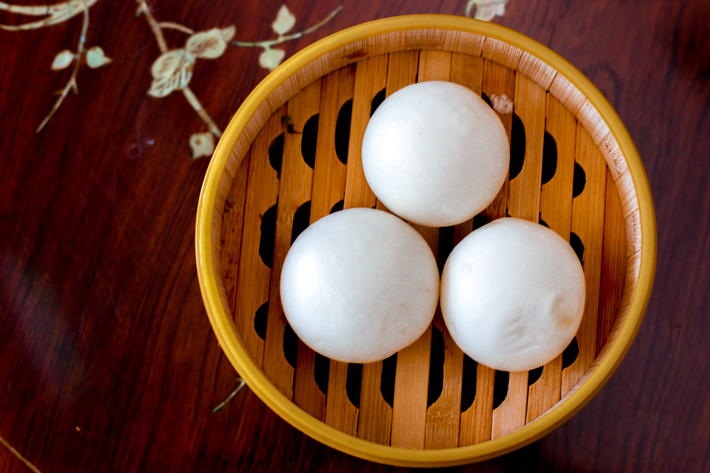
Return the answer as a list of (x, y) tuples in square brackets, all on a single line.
[(277, 168)]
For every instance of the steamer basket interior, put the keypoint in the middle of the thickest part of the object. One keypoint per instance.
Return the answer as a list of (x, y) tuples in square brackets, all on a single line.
[(292, 155)]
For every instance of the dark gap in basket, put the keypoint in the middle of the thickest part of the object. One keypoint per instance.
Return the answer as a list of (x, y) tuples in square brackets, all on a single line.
[(308, 141), (321, 371), (577, 245), (436, 366), (517, 147), (338, 206), (260, 319), (543, 223), (486, 99), (353, 383), (377, 100), (276, 153), (342, 131), (500, 387), (580, 180), (534, 375), (549, 158), (268, 235), (290, 345), (468, 384), (480, 220), (570, 354), (389, 370), (446, 245), (301, 220)]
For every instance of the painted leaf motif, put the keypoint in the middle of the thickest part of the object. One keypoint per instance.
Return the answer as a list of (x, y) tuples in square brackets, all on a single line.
[(284, 21), (95, 57), (171, 71), (202, 144), (271, 58), (210, 44), (486, 10), (62, 60)]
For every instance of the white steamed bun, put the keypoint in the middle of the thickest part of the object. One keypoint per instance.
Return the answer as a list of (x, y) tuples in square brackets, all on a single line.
[(359, 285), (435, 153), (512, 294)]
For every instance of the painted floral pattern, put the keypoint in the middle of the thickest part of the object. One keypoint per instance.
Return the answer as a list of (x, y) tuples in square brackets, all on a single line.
[(173, 70), (94, 57)]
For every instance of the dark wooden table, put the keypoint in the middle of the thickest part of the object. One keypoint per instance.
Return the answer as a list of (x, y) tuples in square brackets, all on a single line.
[(107, 359)]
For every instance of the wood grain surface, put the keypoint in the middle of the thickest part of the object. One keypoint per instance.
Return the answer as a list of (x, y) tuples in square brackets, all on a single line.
[(107, 360)]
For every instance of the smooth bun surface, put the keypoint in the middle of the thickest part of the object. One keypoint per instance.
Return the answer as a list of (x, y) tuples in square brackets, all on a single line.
[(359, 285), (435, 153), (512, 294)]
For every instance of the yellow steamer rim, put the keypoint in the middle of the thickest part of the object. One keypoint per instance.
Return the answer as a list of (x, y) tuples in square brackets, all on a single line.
[(440, 31)]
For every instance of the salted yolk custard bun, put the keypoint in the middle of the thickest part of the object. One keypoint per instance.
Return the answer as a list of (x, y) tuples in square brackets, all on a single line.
[(359, 285), (435, 153), (512, 294)]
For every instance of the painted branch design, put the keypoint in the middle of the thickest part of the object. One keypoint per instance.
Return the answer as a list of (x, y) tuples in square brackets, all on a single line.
[(173, 69), (93, 57), (56, 13)]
